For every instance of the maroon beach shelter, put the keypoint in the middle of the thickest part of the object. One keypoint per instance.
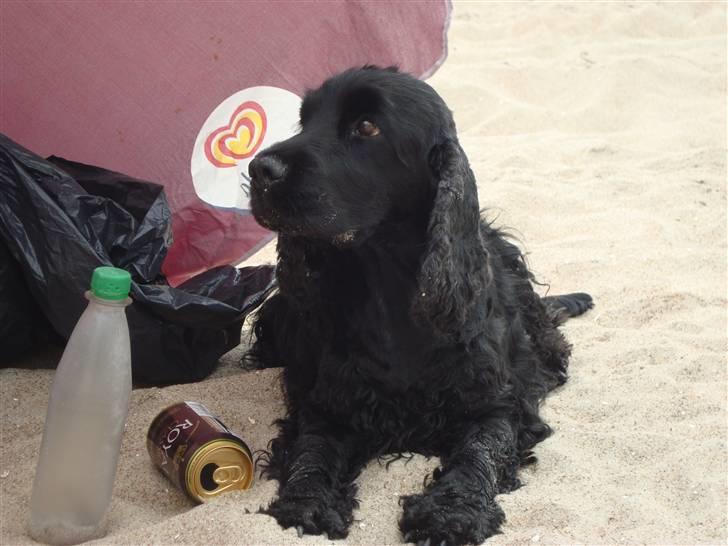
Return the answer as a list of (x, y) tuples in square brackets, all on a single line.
[(185, 93)]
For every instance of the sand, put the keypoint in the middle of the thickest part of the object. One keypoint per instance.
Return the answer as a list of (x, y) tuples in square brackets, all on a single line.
[(598, 131)]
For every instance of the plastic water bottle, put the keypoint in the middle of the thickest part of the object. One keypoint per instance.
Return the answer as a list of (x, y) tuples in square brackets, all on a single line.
[(87, 409)]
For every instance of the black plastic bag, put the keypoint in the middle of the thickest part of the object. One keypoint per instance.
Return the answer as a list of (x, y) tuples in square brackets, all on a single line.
[(59, 220), (22, 324)]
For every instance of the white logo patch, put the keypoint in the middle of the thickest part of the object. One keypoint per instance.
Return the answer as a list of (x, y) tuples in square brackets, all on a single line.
[(244, 123)]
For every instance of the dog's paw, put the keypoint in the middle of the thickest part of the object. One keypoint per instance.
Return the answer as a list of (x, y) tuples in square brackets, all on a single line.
[(442, 518), (311, 516)]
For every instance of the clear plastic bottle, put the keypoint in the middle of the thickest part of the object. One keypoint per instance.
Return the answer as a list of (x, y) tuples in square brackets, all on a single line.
[(88, 405)]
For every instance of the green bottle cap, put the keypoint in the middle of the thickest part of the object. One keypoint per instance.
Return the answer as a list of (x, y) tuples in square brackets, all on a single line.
[(110, 283)]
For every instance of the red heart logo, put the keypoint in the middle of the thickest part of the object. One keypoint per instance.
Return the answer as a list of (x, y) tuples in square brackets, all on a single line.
[(240, 138)]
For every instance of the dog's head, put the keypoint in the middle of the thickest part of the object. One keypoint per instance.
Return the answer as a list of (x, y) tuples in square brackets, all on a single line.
[(362, 156), (377, 147)]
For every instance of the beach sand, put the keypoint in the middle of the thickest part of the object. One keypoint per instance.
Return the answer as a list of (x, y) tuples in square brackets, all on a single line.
[(598, 132)]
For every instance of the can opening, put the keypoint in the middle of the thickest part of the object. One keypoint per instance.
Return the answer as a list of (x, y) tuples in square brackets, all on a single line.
[(206, 477)]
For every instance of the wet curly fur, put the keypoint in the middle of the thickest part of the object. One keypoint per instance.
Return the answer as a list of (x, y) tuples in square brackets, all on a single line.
[(404, 321)]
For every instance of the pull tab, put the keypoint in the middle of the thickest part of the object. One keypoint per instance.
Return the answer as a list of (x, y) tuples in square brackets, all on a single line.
[(227, 476)]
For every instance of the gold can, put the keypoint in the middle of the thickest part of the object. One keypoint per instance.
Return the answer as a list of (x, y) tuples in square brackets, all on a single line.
[(198, 453)]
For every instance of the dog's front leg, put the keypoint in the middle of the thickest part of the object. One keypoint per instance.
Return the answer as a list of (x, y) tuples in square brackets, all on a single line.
[(458, 506), (317, 488)]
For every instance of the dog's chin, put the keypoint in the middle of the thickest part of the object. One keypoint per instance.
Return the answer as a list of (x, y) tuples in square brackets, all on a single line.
[(265, 221), (272, 220), (339, 237), (275, 219), (266, 216), (346, 239)]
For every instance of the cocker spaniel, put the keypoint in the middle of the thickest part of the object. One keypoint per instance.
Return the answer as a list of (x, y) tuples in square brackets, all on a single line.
[(404, 321)]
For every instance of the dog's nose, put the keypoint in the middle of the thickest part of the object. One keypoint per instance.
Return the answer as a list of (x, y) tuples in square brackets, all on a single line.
[(266, 170)]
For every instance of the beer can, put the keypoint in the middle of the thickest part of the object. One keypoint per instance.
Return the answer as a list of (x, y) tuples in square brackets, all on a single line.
[(198, 453)]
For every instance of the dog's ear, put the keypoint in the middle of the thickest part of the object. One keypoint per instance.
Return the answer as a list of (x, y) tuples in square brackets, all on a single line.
[(454, 269)]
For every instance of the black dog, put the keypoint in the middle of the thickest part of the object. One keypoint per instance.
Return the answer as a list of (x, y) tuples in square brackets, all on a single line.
[(405, 322)]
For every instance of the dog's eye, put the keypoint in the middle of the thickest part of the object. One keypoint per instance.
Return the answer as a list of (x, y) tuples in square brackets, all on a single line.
[(366, 128)]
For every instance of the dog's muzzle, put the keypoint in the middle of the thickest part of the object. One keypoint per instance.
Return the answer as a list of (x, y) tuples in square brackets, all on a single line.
[(266, 172)]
